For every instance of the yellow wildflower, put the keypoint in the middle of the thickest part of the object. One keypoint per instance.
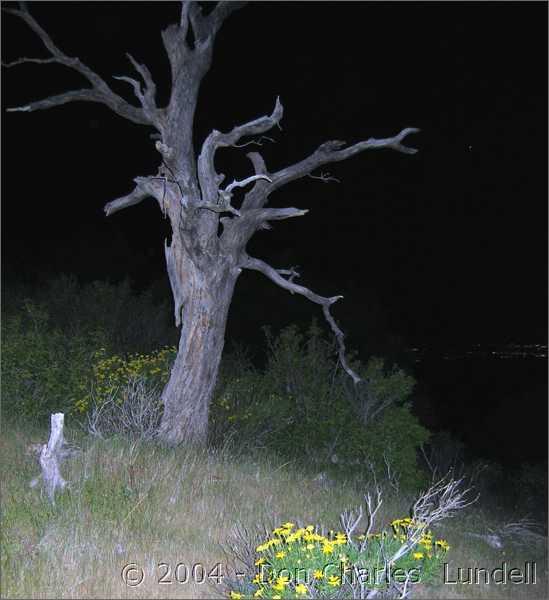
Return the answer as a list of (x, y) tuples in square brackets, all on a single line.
[(318, 574), (327, 548)]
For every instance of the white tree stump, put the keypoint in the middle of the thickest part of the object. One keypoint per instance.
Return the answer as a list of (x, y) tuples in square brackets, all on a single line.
[(50, 458)]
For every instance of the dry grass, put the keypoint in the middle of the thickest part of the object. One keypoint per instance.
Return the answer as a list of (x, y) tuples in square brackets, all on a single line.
[(138, 503)]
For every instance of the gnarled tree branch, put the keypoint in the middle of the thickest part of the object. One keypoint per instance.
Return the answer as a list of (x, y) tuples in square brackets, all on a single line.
[(273, 214), (99, 92), (243, 183), (150, 86), (276, 276), (332, 151), (87, 95), (225, 196), (148, 97), (255, 218), (135, 84), (207, 175), (25, 60), (135, 197), (206, 26), (221, 12), (204, 29)]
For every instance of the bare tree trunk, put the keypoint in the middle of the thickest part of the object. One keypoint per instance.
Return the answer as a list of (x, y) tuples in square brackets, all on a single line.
[(202, 295)]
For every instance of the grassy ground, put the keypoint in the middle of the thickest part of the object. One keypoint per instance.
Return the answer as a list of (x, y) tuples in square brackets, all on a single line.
[(133, 503)]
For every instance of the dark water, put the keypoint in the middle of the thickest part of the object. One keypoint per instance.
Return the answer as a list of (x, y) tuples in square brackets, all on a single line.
[(493, 399)]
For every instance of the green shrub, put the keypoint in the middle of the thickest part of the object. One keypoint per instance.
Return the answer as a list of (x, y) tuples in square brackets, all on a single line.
[(393, 441), (302, 405), (49, 343), (42, 368)]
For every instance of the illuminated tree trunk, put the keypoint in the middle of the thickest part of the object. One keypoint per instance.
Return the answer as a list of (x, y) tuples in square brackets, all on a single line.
[(205, 295)]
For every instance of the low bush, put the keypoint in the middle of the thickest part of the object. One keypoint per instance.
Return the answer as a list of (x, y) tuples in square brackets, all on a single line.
[(310, 562), (115, 374), (53, 343), (302, 404), (305, 562), (42, 368)]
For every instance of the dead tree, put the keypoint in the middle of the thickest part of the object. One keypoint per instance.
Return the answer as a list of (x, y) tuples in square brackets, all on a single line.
[(203, 259)]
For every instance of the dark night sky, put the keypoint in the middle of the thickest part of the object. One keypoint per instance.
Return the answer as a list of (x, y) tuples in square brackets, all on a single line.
[(449, 245)]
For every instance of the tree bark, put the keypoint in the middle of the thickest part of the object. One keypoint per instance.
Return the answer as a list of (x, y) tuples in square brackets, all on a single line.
[(202, 296)]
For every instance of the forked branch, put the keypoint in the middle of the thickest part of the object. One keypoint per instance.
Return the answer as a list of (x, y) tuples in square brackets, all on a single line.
[(329, 152), (99, 92), (221, 12), (225, 196), (276, 276), (147, 97), (207, 26), (207, 175)]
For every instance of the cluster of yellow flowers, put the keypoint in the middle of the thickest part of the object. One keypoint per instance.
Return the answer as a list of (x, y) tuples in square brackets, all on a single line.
[(400, 527), (285, 536), (111, 373), (292, 553), (302, 548)]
